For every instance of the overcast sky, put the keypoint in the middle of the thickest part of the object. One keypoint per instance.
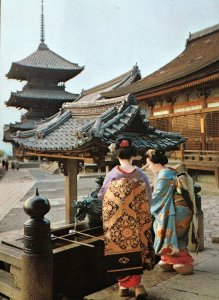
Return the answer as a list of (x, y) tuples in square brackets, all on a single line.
[(108, 37)]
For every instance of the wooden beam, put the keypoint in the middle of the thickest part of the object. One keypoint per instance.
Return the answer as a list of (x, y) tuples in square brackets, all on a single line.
[(142, 95), (85, 159), (71, 190)]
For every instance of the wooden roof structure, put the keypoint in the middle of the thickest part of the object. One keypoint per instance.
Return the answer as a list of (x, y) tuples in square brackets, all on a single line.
[(70, 134), (93, 95), (198, 63), (43, 59), (29, 95)]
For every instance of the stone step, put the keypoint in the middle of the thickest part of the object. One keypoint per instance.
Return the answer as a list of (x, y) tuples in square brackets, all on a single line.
[(7, 286)]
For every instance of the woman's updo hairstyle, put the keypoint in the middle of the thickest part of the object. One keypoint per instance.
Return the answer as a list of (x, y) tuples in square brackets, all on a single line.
[(157, 156), (124, 148)]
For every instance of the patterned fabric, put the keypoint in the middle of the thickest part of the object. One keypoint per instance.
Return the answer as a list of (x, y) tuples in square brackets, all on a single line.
[(130, 281), (126, 224), (184, 181), (172, 219), (117, 173), (182, 257)]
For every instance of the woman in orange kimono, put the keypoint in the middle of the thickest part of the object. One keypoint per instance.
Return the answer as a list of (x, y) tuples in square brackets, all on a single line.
[(126, 198)]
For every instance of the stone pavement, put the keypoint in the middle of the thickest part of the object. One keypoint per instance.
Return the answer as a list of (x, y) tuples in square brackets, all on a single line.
[(13, 186), (17, 186)]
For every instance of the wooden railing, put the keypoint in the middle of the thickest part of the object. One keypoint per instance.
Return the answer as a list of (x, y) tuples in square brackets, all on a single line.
[(204, 160), (201, 156)]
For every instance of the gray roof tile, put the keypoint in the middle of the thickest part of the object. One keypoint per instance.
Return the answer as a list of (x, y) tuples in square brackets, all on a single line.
[(43, 58), (67, 132)]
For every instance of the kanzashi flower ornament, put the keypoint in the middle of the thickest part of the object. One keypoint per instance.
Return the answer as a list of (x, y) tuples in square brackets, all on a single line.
[(124, 144)]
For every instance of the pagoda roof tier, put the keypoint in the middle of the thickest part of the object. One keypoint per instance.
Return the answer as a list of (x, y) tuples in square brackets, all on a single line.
[(93, 95), (25, 125), (44, 62), (199, 60), (7, 137), (68, 134), (28, 96), (14, 127)]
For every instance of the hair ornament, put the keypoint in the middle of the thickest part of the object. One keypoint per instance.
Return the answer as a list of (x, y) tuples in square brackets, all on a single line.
[(112, 148), (124, 143), (151, 152)]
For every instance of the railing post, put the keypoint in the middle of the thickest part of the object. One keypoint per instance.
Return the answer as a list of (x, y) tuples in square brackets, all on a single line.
[(37, 266), (182, 152), (200, 217)]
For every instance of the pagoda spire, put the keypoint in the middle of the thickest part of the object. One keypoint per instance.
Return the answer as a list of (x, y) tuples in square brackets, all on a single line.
[(42, 33), (42, 45)]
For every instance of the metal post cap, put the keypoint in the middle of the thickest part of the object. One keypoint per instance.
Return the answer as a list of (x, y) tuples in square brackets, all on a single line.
[(36, 206)]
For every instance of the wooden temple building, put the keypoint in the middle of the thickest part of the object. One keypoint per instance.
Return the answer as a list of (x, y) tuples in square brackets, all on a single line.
[(183, 96)]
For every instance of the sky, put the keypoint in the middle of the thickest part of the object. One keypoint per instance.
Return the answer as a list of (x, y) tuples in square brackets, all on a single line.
[(107, 37)]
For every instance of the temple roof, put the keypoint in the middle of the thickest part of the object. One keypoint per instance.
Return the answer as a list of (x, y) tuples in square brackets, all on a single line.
[(93, 95), (55, 94), (199, 59), (66, 132), (43, 59), (25, 125)]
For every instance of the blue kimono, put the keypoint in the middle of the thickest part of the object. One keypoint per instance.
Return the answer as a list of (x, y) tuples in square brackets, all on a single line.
[(172, 215)]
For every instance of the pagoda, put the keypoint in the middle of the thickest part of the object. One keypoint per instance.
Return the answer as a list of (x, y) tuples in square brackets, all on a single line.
[(44, 93)]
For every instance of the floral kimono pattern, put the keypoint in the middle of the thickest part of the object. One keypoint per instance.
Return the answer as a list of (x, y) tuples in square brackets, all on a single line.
[(126, 224), (172, 220)]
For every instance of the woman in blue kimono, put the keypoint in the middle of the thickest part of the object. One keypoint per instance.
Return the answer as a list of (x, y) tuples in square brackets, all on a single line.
[(172, 217)]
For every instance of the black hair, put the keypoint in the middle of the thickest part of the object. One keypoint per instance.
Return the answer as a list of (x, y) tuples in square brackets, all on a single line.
[(157, 156), (124, 148)]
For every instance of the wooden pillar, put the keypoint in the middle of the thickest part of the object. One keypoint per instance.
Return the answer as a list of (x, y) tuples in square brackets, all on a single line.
[(71, 189), (182, 146), (37, 259), (216, 172), (202, 120)]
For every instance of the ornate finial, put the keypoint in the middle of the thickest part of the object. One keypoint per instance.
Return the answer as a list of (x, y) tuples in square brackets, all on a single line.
[(42, 33), (37, 229)]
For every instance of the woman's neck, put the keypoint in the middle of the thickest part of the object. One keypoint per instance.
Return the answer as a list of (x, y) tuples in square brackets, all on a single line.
[(126, 165), (160, 167)]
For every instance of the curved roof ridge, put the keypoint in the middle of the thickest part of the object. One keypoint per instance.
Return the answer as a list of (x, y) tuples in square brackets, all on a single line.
[(191, 63), (201, 33), (102, 102), (123, 77), (44, 50), (46, 127)]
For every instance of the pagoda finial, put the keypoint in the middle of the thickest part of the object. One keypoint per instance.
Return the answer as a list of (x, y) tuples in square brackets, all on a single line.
[(42, 33)]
